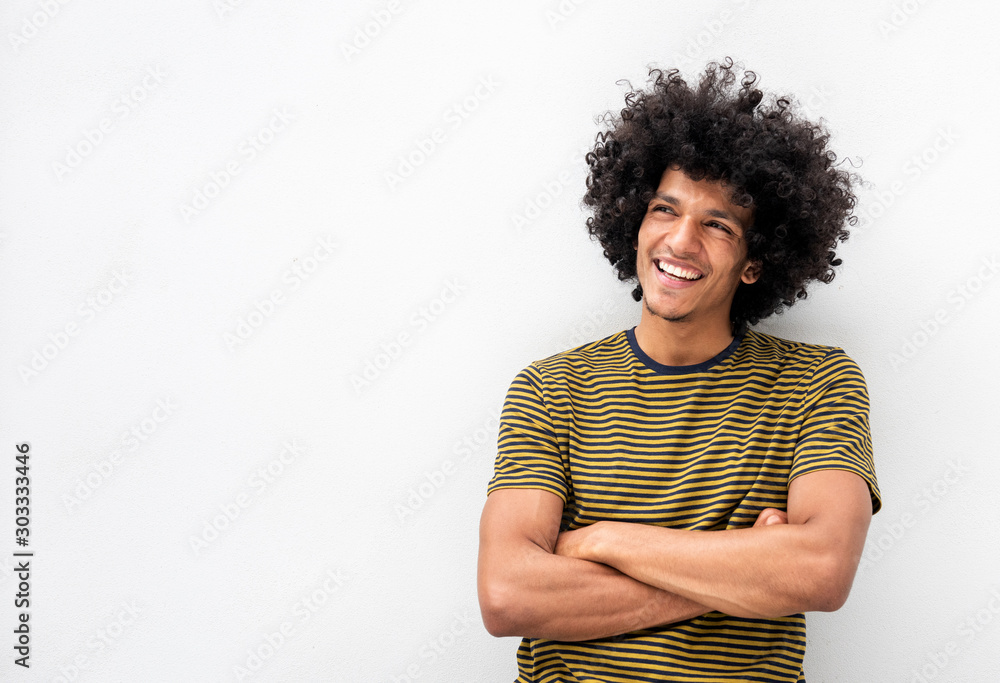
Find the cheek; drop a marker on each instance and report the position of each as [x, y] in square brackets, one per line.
[648, 234]
[639, 237]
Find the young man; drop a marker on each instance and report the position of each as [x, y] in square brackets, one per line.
[669, 500]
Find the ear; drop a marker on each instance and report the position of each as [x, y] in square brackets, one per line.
[751, 273]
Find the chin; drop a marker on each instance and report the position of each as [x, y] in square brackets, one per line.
[667, 314]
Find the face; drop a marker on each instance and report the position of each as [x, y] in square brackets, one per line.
[691, 251]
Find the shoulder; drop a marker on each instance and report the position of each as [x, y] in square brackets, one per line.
[816, 366]
[596, 359]
[601, 355]
[758, 347]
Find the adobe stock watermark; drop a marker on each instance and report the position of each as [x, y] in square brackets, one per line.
[104, 638]
[585, 330]
[934, 662]
[912, 171]
[269, 644]
[291, 279]
[535, 205]
[86, 312]
[811, 105]
[434, 480]
[957, 298]
[256, 484]
[693, 52]
[367, 31]
[247, 152]
[120, 109]
[454, 116]
[7, 568]
[900, 15]
[32, 24]
[131, 441]
[924, 502]
[389, 352]
[223, 8]
[562, 12]
[434, 648]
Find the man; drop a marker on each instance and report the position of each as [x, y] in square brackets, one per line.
[667, 502]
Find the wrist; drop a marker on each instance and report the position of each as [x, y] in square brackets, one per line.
[596, 546]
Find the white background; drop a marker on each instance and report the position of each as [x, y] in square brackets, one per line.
[173, 558]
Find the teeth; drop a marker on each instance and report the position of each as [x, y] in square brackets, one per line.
[678, 272]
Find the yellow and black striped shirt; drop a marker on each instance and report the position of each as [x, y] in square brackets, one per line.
[621, 437]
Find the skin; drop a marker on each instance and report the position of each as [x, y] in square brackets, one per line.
[804, 562]
[527, 590]
[615, 577]
[692, 225]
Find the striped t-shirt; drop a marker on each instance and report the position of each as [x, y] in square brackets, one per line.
[621, 437]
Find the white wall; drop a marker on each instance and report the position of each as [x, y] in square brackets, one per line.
[113, 517]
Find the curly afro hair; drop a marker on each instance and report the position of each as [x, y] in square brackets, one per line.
[767, 156]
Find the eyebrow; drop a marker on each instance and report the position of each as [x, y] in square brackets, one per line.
[670, 199]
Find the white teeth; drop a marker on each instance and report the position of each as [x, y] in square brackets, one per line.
[678, 272]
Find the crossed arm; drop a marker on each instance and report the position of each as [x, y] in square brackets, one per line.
[614, 577]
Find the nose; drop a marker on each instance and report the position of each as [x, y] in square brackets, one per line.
[684, 237]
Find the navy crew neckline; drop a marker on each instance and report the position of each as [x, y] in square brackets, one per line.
[662, 369]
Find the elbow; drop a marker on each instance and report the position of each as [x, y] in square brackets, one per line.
[496, 624]
[495, 617]
[823, 584]
[498, 609]
[833, 584]
[833, 597]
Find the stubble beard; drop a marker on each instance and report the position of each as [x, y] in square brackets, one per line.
[683, 317]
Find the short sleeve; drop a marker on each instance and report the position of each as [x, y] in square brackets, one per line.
[528, 453]
[835, 434]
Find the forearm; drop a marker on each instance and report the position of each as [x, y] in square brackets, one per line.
[762, 572]
[805, 562]
[541, 595]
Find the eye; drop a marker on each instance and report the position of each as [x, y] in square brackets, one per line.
[720, 226]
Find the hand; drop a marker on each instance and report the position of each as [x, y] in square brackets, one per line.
[769, 516]
[574, 543]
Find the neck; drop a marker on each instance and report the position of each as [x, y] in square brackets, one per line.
[681, 342]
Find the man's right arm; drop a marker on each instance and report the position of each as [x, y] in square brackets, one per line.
[525, 590]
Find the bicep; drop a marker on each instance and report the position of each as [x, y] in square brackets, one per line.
[837, 504]
[520, 516]
[518, 527]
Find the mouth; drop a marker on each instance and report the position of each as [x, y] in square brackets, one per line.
[676, 273]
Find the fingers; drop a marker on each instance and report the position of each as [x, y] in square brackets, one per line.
[769, 516]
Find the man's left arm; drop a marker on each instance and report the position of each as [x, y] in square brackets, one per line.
[767, 571]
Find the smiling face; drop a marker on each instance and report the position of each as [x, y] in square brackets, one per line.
[691, 252]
